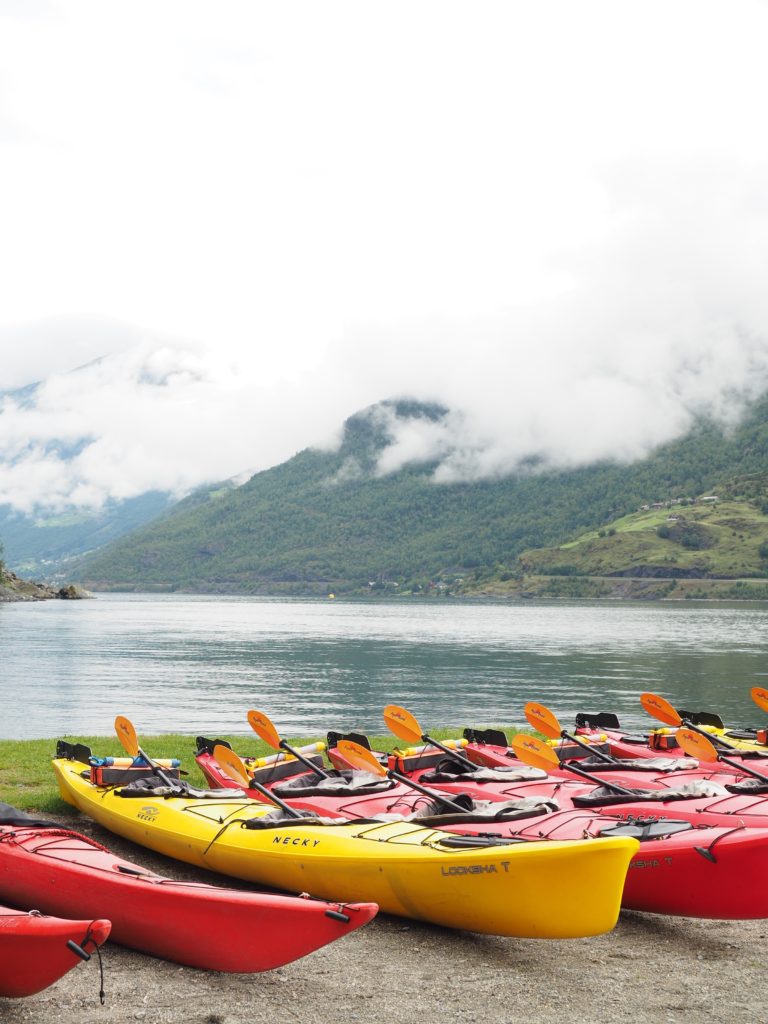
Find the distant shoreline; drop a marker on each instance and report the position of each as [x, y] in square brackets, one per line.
[554, 588]
[14, 588]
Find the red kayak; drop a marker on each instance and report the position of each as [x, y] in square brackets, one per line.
[694, 871]
[705, 871]
[44, 865]
[718, 801]
[605, 727]
[35, 950]
[730, 800]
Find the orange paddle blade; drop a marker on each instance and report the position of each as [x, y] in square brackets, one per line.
[696, 745]
[541, 718]
[534, 752]
[231, 765]
[402, 723]
[264, 728]
[659, 708]
[760, 697]
[359, 757]
[126, 733]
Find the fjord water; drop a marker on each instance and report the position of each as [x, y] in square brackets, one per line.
[197, 663]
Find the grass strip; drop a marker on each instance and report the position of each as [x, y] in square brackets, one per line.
[27, 781]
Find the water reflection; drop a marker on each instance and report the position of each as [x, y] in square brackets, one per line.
[197, 663]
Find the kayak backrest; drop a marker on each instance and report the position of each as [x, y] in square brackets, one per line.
[701, 718]
[492, 737]
[360, 738]
[597, 720]
[205, 746]
[73, 751]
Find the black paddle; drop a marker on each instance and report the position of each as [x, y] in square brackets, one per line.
[541, 718]
[534, 752]
[404, 725]
[661, 709]
[265, 729]
[703, 748]
[234, 767]
[366, 761]
[129, 741]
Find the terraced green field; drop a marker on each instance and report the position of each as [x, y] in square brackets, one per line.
[726, 540]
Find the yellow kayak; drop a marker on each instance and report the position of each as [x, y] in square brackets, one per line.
[551, 890]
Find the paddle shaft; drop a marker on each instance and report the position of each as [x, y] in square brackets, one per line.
[742, 768]
[451, 753]
[586, 775]
[591, 750]
[156, 768]
[304, 760]
[290, 811]
[717, 740]
[397, 777]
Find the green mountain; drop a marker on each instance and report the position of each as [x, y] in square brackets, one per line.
[326, 521]
[42, 543]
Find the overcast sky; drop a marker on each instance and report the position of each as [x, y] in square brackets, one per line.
[260, 218]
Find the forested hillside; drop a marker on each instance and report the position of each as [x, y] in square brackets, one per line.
[324, 521]
[41, 543]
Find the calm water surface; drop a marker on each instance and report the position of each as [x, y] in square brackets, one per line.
[196, 664]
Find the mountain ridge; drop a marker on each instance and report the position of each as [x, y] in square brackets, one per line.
[327, 521]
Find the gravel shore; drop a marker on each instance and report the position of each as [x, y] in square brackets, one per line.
[650, 968]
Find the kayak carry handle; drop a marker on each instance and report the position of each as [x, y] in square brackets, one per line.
[337, 915]
[78, 950]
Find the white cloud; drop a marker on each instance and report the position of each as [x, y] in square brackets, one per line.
[551, 217]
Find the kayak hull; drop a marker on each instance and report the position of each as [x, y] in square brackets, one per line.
[531, 890]
[190, 923]
[704, 872]
[34, 952]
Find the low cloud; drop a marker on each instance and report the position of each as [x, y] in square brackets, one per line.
[662, 318]
[666, 319]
